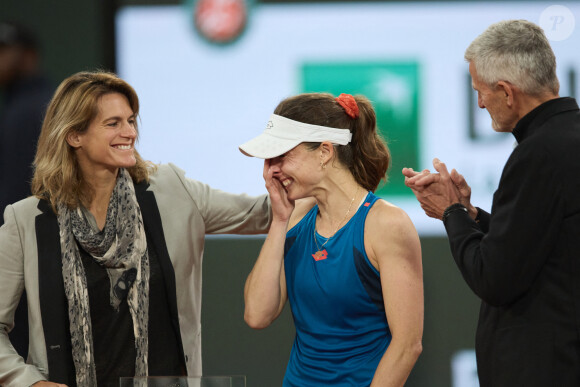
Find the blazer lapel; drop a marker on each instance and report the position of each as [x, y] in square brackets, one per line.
[154, 230]
[53, 303]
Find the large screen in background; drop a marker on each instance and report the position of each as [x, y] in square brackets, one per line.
[201, 99]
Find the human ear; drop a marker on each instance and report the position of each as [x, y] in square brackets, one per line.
[509, 92]
[326, 151]
[74, 139]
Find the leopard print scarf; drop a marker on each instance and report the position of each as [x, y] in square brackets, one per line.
[121, 247]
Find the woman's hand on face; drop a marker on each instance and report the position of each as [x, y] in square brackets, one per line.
[282, 207]
[44, 383]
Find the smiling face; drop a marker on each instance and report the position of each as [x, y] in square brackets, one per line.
[108, 142]
[495, 101]
[298, 170]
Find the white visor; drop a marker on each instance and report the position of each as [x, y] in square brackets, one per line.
[282, 134]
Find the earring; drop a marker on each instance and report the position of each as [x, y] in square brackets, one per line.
[322, 165]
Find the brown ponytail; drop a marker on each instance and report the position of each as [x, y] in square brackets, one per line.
[367, 155]
[370, 155]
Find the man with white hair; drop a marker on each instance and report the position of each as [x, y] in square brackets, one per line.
[523, 259]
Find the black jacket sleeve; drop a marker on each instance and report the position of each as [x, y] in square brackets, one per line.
[501, 256]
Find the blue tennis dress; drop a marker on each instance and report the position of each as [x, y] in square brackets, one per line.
[337, 304]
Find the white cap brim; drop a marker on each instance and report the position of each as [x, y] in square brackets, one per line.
[283, 134]
[268, 146]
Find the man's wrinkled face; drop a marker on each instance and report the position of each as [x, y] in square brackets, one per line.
[495, 101]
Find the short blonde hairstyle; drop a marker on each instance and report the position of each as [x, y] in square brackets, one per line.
[57, 176]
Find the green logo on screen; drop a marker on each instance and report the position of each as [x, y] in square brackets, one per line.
[393, 89]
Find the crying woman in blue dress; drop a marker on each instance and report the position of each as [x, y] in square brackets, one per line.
[348, 262]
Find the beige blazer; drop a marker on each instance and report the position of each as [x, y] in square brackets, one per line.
[177, 212]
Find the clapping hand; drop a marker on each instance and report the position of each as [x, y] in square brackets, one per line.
[437, 191]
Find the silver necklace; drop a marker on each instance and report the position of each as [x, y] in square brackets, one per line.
[323, 254]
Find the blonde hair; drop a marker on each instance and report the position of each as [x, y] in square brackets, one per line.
[57, 176]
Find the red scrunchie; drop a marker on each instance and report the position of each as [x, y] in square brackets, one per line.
[349, 105]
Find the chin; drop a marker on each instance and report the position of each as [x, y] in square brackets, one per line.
[293, 197]
[129, 163]
[290, 195]
[498, 128]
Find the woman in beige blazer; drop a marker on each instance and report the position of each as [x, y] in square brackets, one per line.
[108, 249]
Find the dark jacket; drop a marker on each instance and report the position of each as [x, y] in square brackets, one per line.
[523, 260]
